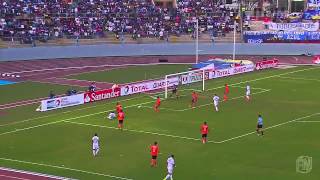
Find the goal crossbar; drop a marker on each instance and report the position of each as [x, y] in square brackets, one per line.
[189, 75]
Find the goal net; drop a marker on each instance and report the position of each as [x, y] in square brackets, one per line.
[187, 78]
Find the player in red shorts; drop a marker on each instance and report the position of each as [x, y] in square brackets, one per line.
[118, 107]
[154, 150]
[157, 104]
[226, 92]
[194, 99]
[120, 119]
[204, 132]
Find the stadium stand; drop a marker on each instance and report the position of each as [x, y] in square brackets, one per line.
[61, 22]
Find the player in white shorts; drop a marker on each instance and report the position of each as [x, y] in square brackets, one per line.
[248, 92]
[95, 144]
[170, 166]
[216, 99]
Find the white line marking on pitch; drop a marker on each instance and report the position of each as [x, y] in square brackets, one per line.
[78, 117]
[65, 112]
[270, 127]
[307, 69]
[308, 121]
[65, 168]
[134, 130]
[203, 105]
[190, 138]
[298, 78]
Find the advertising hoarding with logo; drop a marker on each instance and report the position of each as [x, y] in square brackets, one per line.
[101, 95]
[61, 102]
[148, 86]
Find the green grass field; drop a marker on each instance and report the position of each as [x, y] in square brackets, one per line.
[59, 142]
[30, 90]
[134, 73]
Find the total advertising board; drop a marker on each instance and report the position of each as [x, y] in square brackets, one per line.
[148, 86]
[101, 95]
[62, 102]
[232, 71]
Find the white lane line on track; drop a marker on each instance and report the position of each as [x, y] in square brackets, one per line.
[34, 174]
[64, 168]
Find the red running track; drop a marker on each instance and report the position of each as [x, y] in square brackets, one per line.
[13, 174]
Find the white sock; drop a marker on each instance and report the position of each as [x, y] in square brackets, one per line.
[171, 177]
[94, 153]
[216, 108]
[168, 176]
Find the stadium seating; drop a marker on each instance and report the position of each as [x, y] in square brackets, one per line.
[42, 21]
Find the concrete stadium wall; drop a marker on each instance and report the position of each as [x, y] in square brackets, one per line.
[56, 52]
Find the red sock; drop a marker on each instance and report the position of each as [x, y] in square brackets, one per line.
[225, 97]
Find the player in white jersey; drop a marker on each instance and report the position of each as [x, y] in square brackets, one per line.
[248, 92]
[216, 99]
[95, 144]
[170, 166]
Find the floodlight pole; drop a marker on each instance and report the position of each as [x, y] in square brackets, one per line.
[197, 41]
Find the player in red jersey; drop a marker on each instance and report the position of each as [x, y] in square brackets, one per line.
[204, 132]
[194, 99]
[120, 119]
[157, 104]
[118, 107]
[226, 92]
[154, 150]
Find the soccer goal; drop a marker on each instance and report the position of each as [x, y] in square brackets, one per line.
[186, 78]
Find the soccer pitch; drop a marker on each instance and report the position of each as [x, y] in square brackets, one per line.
[59, 142]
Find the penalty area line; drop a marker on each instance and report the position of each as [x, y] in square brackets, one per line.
[65, 168]
[276, 125]
[77, 117]
[136, 131]
[238, 97]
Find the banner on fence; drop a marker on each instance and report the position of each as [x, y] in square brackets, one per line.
[265, 64]
[312, 26]
[101, 95]
[194, 77]
[62, 102]
[233, 71]
[148, 86]
[280, 36]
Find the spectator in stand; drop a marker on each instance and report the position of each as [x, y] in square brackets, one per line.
[44, 20]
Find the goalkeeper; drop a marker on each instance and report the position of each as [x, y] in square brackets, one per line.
[175, 91]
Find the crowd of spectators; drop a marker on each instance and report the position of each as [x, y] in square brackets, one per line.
[29, 20]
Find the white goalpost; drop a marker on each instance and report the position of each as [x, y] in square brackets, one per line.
[185, 78]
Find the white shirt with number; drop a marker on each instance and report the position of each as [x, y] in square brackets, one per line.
[216, 100]
[248, 90]
[95, 142]
[170, 163]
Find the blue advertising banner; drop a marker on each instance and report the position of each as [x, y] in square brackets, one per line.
[280, 36]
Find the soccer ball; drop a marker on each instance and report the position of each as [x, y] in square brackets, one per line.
[139, 106]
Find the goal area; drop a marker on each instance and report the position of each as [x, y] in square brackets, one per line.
[186, 78]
